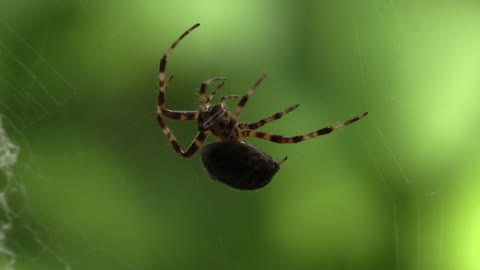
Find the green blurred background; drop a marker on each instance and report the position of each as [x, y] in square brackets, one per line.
[98, 186]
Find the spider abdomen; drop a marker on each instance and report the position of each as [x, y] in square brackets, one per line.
[238, 164]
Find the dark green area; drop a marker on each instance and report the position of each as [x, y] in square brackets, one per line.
[98, 185]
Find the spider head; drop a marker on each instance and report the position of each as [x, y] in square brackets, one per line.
[214, 114]
[217, 119]
[216, 109]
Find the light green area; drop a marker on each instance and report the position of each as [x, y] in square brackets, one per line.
[100, 187]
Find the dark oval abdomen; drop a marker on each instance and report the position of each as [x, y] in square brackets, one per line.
[238, 164]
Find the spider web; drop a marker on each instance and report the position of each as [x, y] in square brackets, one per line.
[420, 200]
[8, 158]
[23, 242]
[27, 241]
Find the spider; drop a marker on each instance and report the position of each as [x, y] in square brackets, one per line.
[229, 160]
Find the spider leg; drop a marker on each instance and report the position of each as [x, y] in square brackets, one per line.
[162, 85]
[202, 101]
[244, 99]
[214, 92]
[225, 97]
[276, 116]
[299, 138]
[197, 142]
[176, 114]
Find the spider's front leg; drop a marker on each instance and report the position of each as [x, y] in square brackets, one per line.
[162, 85]
[202, 101]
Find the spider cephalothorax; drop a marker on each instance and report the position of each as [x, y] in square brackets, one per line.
[229, 160]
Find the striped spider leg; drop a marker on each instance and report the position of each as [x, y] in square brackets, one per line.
[162, 85]
[248, 129]
[182, 115]
[202, 134]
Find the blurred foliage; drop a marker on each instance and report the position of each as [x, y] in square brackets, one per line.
[99, 186]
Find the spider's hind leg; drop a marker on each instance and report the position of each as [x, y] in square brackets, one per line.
[276, 116]
[299, 138]
[244, 99]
